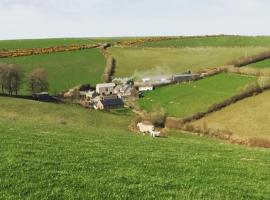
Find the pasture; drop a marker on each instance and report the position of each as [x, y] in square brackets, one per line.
[65, 69]
[60, 152]
[132, 61]
[248, 118]
[261, 65]
[184, 100]
[42, 43]
[213, 41]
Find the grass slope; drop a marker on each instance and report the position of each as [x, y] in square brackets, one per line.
[173, 60]
[42, 43]
[186, 99]
[65, 69]
[99, 159]
[247, 118]
[218, 41]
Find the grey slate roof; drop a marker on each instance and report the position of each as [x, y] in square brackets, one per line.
[112, 102]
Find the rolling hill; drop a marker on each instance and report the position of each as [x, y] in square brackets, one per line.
[42, 43]
[133, 60]
[65, 69]
[213, 41]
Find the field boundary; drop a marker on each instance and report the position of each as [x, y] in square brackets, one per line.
[216, 107]
[243, 61]
[248, 71]
[110, 64]
[41, 51]
[185, 124]
[141, 41]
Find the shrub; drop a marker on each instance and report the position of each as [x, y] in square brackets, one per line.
[252, 87]
[158, 117]
[264, 82]
[258, 142]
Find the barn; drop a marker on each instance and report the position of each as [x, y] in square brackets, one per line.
[106, 104]
[182, 78]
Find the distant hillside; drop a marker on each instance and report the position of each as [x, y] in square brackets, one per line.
[42, 43]
[132, 60]
[213, 41]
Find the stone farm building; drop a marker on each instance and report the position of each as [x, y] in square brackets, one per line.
[105, 88]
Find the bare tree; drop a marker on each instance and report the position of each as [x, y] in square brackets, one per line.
[2, 71]
[11, 78]
[38, 81]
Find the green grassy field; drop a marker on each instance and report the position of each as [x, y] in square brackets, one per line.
[42, 43]
[247, 118]
[53, 151]
[186, 99]
[219, 41]
[262, 64]
[130, 61]
[65, 69]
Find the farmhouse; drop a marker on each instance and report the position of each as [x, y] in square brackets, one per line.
[105, 88]
[123, 91]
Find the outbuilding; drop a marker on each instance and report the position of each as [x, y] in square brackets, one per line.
[42, 96]
[145, 88]
[182, 78]
[106, 104]
[105, 88]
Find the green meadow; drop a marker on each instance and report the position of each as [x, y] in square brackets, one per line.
[247, 118]
[42, 43]
[132, 60]
[65, 69]
[184, 100]
[213, 41]
[260, 65]
[51, 151]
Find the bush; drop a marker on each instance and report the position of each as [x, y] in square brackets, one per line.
[158, 117]
[252, 87]
[259, 142]
[264, 82]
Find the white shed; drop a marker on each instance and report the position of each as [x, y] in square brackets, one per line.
[145, 88]
[105, 88]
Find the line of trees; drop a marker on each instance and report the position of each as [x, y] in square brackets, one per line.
[12, 79]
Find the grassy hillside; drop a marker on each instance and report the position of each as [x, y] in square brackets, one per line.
[24, 111]
[213, 41]
[97, 158]
[42, 43]
[65, 69]
[186, 99]
[247, 118]
[173, 60]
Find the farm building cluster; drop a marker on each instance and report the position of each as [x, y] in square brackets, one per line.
[105, 95]
[114, 95]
